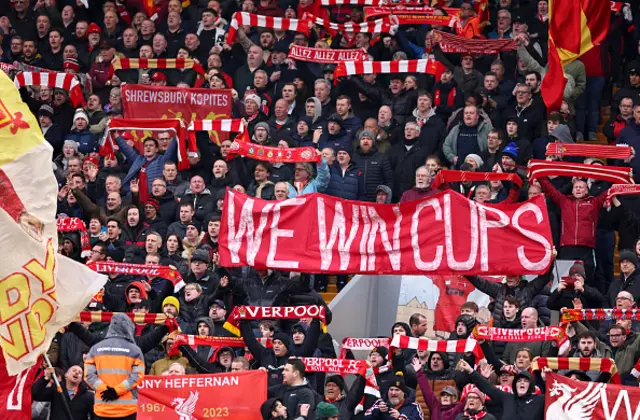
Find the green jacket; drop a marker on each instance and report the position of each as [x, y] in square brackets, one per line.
[625, 356]
[450, 146]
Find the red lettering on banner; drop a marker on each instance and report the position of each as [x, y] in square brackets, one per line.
[443, 234]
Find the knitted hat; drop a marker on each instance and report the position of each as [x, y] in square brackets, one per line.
[263, 125]
[93, 28]
[306, 120]
[201, 255]
[45, 110]
[336, 118]
[80, 114]
[336, 379]
[253, 97]
[629, 255]
[345, 148]
[472, 389]
[284, 338]
[382, 351]
[299, 327]
[171, 300]
[578, 268]
[71, 63]
[398, 382]
[477, 159]
[367, 133]
[324, 410]
[153, 202]
[116, 254]
[510, 150]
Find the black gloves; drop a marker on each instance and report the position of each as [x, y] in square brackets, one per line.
[109, 394]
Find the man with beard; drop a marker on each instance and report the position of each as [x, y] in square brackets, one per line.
[422, 188]
[406, 156]
[398, 403]
[374, 165]
[521, 404]
[218, 314]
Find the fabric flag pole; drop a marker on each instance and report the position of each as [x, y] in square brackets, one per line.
[54, 288]
[64, 81]
[273, 154]
[148, 270]
[578, 363]
[622, 151]
[119, 63]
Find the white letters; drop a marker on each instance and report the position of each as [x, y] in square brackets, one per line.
[245, 228]
[283, 233]
[451, 259]
[415, 243]
[378, 224]
[338, 229]
[526, 263]
[484, 228]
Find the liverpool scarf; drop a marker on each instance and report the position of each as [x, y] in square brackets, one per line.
[614, 174]
[509, 335]
[589, 150]
[636, 369]
[578, 363]
[353, 2]
[377, 26]
[444, 346]
[351, 68]
[451, 43]
[64, 81]
[371, 389]
[444, 176]
[414, 15]
[621, 189]
[141, 128]
[349, 343]
[260, 21]
[101, 316]
[337, 366]
[271, 312]
[148, 270]
[325, 55]
[273, 154]
[74, 224]
[574, 315]
[154, 63]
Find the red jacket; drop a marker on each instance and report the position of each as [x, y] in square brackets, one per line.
[579, 218]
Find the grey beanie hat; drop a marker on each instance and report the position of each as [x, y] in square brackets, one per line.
[367, 133]
[263, 125]
[562, 133]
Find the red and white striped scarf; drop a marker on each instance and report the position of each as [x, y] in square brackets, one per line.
[353, 2]
[600, 314]
[154, 63]
[74, 224]
[621, 189]
[614, 174]
[589, 150]
[150, 270]
[451, 43]
[444, 346]
[351, 68]
[350, 343]
[64, 81]
[376, 26]
[371, 388]
[578, 363]
[447, 175]
[260, 21]
[235, 125]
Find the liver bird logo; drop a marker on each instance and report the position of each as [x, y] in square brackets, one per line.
[568, 406]
[185, 407]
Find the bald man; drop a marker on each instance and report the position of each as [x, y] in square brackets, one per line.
[529, 319]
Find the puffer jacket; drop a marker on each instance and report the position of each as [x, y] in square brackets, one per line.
[154, 167]
[524, 292]
[348, 186]
[117, 353]
[376, 170]
[335, 141]
[579, 218]
[87, 141]
[203, 203]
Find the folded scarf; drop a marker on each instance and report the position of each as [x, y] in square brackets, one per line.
[271, 312]
[64, 81]
[376, 26]
[273, 154]
[508, 335]
[444, 346]
[574, 315]
[119, 63]
[325, 55]
[589, 150]
[459, 44]
[578, 363]
[74, 224]
[147, 270]
[444, 176]
[260, 21]
[349, 343]
[351, 68]
[614, 174]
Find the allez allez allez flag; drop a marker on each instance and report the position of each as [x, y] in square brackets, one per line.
[442, 234]
[40, 291]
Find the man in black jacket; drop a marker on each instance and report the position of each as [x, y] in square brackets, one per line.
[76, 392]
[406, 156]
[294, 391]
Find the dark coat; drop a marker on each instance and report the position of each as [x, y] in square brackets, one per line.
[81, 405]
[404, 164]
[376, 170]
[631, 284]
[527, 407]
[348, 186]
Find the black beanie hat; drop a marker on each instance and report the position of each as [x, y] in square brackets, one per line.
[382, 351]
[336, 379]
[282, 337]
[267, 407]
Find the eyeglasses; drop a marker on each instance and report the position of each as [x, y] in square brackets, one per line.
[97, 251]
[522, 92]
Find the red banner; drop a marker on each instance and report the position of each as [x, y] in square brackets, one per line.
[15, 391]
[325, 55]
[148, 270]
[236, 396]
[350, 343]
[321, 234]
[162, 102]
[567, 399]
[413, 15]
[271, 312]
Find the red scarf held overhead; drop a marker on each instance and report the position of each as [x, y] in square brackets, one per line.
[614, 174]
[273, 154]
[74, 224]
[621, 189]
[337, 366]
[350, 343]
[557, 334]
[578, 363]
[143, 187]
[102, 316]
[450, 43]
[325, 55]
[148, 270]
[589, 150]
[271, 312]
[574, 315]
[440, 346]
[154, 63]
[446, 176]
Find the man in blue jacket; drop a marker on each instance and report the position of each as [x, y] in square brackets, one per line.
[346, 180]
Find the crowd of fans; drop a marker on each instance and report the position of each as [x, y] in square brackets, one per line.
[382, 138]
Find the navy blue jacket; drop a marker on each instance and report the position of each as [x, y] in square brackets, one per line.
[87, 141]
[335, 141]
[631, 135]
[376, 170]
[349, 186]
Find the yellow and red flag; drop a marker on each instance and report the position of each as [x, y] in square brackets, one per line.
[575, 26]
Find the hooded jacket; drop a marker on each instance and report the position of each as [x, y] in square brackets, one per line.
[117, 353]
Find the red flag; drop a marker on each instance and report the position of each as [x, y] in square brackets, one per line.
[554, 81]
[15, 391]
